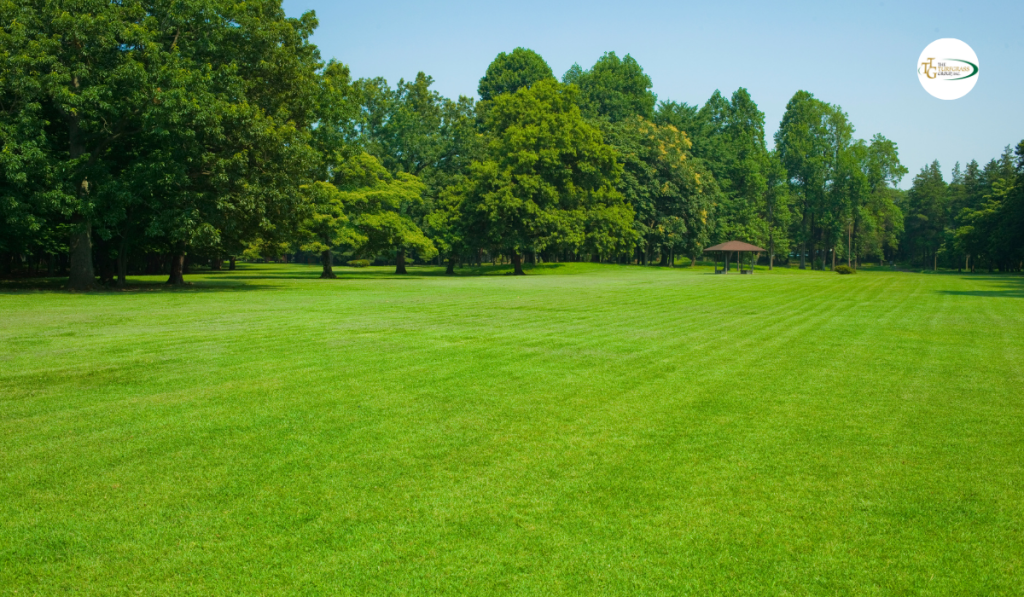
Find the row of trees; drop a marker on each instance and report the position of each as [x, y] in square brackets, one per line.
[144, 136]
[974, 220]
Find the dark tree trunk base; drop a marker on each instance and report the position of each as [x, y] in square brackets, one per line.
[450, 270]
[82, 276]
[328, 262]
[517, 264]
[400, 263]
[177, 277]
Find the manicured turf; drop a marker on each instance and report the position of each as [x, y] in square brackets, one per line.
[600, 430]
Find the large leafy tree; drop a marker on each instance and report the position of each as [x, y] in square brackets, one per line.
[381, 208]
[804, 147]
[31, 193]
[613, 89]
[182, 122]
[83, 80]
[548, 179]
[672, 194]
[510, 72]
[325, 225]
[876, 220]
[414, 130]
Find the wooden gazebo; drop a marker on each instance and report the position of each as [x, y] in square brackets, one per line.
[734, 246]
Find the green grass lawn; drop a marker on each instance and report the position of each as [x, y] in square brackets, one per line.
[596, 430]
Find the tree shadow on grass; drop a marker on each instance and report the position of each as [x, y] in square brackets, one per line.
[312, 272]
[59, 285]
[1008, 287]
[246, 278]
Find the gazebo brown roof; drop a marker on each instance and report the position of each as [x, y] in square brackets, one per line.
[734, 246]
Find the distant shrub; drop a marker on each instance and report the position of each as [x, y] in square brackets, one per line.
[845, 269]
[359, 262]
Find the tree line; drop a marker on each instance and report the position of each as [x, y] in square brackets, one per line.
[150, 137]
[976, 220]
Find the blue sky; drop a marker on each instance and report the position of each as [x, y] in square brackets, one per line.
[861, 56]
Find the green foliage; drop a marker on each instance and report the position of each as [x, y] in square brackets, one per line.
[358, 263]
[381, 206]
[927, 214]
[547, 180]
[987, 209]
[671, 194]
[844, 200]
[152, 123]
[212, 127]
[845, 270]
[613, 89]
[511, 72]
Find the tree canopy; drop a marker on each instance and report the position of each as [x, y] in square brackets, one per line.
[613, 88]
[547, 179]
[510, 72]
[153, 138]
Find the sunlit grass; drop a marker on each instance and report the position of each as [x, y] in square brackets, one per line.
[599, 429]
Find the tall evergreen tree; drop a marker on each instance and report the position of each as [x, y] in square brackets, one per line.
[927, 214]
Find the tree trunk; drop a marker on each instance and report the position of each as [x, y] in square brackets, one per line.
[833, 268]
[450, 270]
[517, 264]
[849, 246]
[122, 267]
[217, 263]
[400, 262]
[81, 276]
[327, 260]
[231, 263]
[803, 239]
[935, 261]
[177, 266]
[693, 258]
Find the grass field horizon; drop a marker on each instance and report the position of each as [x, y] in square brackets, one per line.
[584, 429]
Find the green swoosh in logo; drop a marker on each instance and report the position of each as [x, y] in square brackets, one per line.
[974, 72]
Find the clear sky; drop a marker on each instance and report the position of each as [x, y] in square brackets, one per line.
[860, 55]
